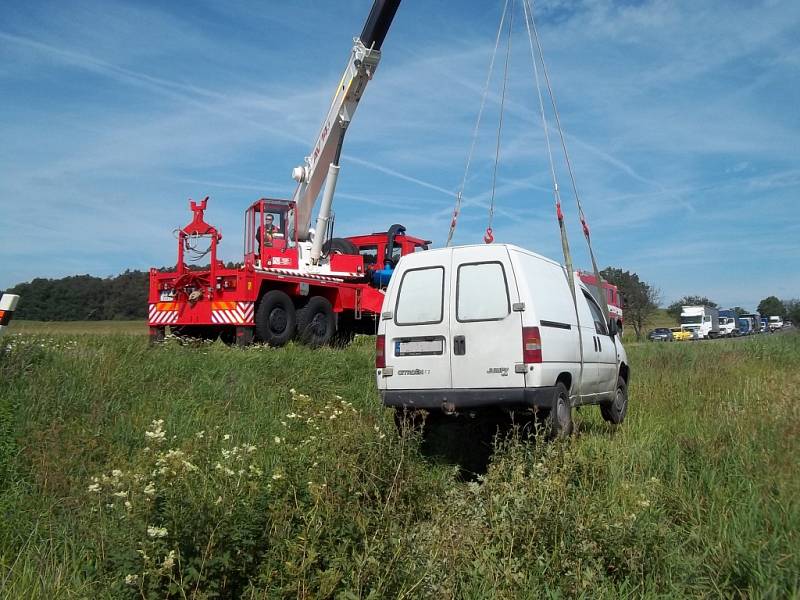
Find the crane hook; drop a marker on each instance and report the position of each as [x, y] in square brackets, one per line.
[488, 238]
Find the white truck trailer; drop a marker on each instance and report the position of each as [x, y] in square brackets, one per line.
[8, 303]
[703, 321]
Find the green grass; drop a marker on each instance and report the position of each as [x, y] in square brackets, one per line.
[78, 327]
[314, 494]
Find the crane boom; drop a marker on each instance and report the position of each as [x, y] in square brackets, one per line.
[323, 161]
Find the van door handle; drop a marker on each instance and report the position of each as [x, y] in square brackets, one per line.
[459, 345]
[599, 344]
[594, 339]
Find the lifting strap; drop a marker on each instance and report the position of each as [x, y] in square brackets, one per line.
[602, 300]
[556, 193]
[459, 196]
[489, 237]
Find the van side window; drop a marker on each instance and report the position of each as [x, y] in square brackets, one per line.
[420, 300]
[482, 292]
[597, 314]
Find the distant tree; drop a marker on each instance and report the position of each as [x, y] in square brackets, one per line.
[640, 298]
[83, 297]
[739, 311]
[771, 306]
[792, 310]
[674, 309]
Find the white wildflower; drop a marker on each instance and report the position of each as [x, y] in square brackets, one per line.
[169, 560]
[219, 500]
[189, 466]
[226, 437]
[156, 532]
[122, 494]
[128, 505]
[277, 440]
[150, 489]
[95, 488]
[116, 473]
[249, 448]
[277, 476]
[200, 435]
[293, 391]
[131, 579]
[644, 503]
[337, 396]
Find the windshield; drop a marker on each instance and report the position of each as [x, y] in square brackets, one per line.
[691, 320]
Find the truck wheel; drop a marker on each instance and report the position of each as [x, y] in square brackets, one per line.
[275, 318]
[558, 421]
[316, 323]
[614, 411]
[339, 246]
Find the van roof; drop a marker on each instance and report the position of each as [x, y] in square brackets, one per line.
[510, 247]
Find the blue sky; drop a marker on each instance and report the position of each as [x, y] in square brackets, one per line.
[681, 118]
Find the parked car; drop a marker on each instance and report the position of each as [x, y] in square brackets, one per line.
[681, 335]
[494, 326]
[660, 334]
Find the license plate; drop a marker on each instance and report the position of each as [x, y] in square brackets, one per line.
[167, 296]
[419, 346]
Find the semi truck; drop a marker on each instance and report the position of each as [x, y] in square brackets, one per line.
[728, 323]
[702, 320]
[8, 304]
[754, 322]
[775, 323]
[294, 280]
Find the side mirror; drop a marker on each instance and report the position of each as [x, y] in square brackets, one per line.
[612, 327]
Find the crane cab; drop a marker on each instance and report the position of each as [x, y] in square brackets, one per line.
[267, 242]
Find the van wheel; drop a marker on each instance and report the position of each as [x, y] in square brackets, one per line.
[558, 421]
[275, 318]
[614, 411]
[316, 323]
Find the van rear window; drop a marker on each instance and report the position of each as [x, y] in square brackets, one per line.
[420, 300]
[482, 293]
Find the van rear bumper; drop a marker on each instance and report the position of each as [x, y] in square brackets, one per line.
[450, 400]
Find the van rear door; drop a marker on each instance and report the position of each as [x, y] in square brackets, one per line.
[416, 340]
[485, 330]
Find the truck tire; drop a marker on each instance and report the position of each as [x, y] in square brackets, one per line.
[558, 420]
[276, 319]
[339, 246]
[615, 411]
[316, 323]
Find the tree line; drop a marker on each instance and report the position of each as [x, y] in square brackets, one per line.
[124, 297]
[84, 298]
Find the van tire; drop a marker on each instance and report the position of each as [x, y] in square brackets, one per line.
[615, 411]
[316, 323]
[276, 320]
[558, 421]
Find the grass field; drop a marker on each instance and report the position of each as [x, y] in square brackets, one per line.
[207, 471]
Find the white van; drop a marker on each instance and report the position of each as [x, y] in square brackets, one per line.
[483, 326]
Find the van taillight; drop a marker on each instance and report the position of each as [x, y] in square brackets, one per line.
[380, 352]
[531, 345]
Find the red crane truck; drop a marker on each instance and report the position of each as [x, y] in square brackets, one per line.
[294, 281]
